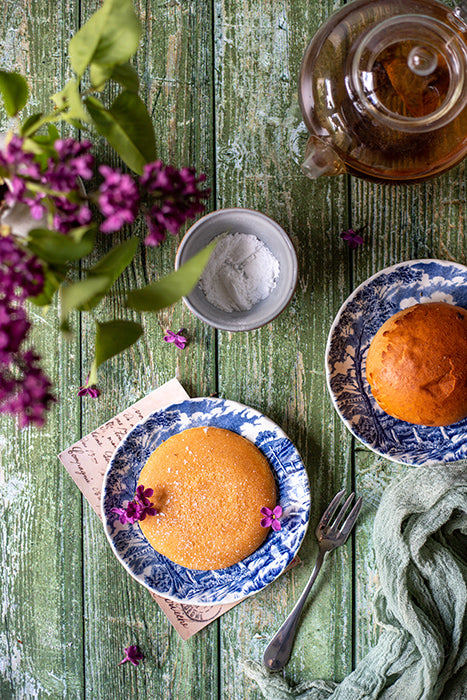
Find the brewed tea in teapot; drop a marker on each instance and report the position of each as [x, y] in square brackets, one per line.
[383, 91]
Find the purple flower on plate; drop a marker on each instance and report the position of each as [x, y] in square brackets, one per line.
[130, 514]
[118, 199]
[271, 517]
[133, 654]
[353, 238]
[142, 495]
[137, 509]
[176, 338]
[146, 507]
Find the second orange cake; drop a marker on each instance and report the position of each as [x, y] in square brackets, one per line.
[209, 487]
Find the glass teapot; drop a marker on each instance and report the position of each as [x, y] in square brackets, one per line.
[383, 91]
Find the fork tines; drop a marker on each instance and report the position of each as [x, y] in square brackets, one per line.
[331, 510]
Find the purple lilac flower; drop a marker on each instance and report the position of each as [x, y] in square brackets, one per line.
[174, 196]
[14, 327]
[142, 495]
[24, 388]
[137, 509]
[62, 174]
[130, 514]
[74, 161]
[132, 654]
[176, 338]
[271, 518]
[118, 199]
[142, 499]
[28, 395]
[12, 155]
[69, 214]
[21, 274]
[89, 390]
[352, 237]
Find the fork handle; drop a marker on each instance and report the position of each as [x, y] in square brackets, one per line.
[277, 652]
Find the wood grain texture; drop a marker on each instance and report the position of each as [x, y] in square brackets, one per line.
[174, 61]
[403, 223]
[41, 633]
[221, 82]
[259, 142]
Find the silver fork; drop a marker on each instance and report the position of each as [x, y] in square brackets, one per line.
[330, 534]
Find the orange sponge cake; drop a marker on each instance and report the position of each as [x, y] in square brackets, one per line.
[417, 364]
[209, 487]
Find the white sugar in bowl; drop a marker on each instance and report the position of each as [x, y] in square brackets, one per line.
[251, 275]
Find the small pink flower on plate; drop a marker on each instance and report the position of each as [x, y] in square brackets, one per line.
[271, 518]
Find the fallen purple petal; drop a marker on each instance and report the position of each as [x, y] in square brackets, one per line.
[89, 390]
[352, 238]
[133, 654]
[176, 338]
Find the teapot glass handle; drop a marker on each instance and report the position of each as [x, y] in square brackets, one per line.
[321, 159]
[460, 11]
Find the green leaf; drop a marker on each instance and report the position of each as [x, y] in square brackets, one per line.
[81, 294]
[87, 293]
[99, 74]
[111, 339]
[53, 279]
[111, 267]
[78, 233]
[69, 99]
[53, 133]
[126, 76]
[169, 289]
[123, 74]
[110, 37]
[128, 128]
[14, 89]
[27, 127]
[116, 260]
[54, 247]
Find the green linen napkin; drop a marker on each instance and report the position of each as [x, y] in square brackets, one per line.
[420, 541]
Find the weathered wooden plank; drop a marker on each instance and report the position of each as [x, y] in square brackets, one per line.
[175, 62]
[403, 223]
[41, 645]
[260, 140]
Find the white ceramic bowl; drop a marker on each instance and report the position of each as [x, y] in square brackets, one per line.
[272, 235]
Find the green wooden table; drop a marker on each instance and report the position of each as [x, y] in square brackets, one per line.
[221, 81]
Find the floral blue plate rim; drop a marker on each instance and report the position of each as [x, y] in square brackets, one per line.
[364, 311]
[172, 581]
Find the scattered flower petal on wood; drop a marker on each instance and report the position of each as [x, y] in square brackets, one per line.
[352, 238]
[133, 654]
[176, 338]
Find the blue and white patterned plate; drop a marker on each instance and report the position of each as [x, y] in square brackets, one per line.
[220, 586]
[367, 308]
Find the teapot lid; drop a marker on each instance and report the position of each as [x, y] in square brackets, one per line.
[409, 72]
